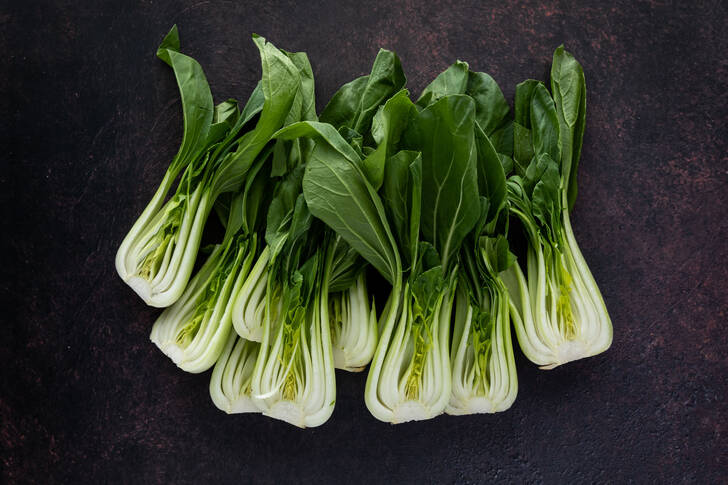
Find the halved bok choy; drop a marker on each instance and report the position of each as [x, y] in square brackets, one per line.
[157, 256]
[195, 329]
[557, 308]
[293, 379]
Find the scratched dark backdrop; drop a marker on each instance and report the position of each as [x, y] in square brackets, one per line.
[89, 120]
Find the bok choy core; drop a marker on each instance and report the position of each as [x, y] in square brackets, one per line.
[460, 204]
[230, 385]
[352, 315]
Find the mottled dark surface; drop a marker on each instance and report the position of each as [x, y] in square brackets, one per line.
[90, 119]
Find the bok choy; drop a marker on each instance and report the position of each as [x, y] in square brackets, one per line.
[484, 376]
[558, 311]
[293, 379]
[230, 384]
[194, 331]
[156, 258]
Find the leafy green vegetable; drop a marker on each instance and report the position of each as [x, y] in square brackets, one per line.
[353, 324]
[484, 376]
[157, 256]
[355, 104]
[338, 193]
[197, 109]
[138, 270]
[249, 301]
[284, 303]
[387, 127]
[491, 107]
[415, 324]
[402, 195]
[195, 329]
[569, 92]
[444, 133]
[558, 312]
[293, 379]
[484, 370]
[423, 192]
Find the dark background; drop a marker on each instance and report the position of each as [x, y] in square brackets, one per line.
[89, 120]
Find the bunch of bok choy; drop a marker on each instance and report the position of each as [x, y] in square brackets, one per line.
[457, 204]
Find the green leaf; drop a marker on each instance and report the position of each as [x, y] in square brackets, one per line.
[227, 111]
[522, 105]
[216, 133]
[522, 147]
[170, 42]
[480, 225]
[301, 221]
[443, 132]
[497, 253]
[391, 119]
[543, 182]
[491, 107]
[354, 139]
[342, 108]
[225, 119]
[427, 258]
[306, 97]
[502, 139]
[453, 80]
[280, 83]
[320, 131]
[281, 210]
[401, 193]
[491, 177]
[426, 290]
[279, 164]
[387, 127]
[346, 266]
[544, 124]
[569, 91]
[338, 193]
[290, 153]
[222, 207]
[355, 104]
[507, 163]
[197, 104]
[386, 78]
[254, 104]
[236, 216]
[256, 195]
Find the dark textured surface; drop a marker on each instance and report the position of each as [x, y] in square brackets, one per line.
[90, 119]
